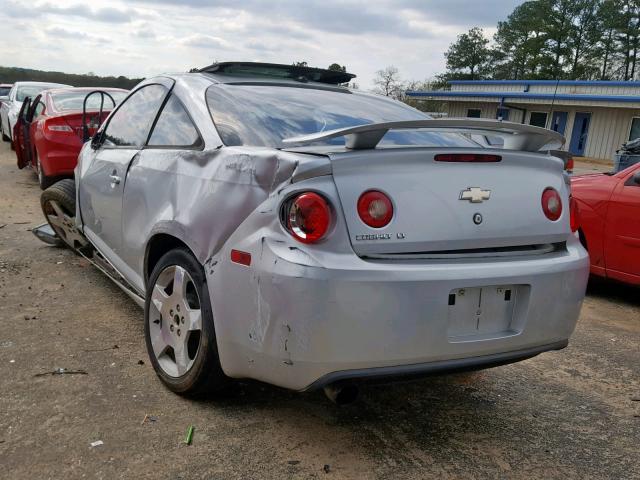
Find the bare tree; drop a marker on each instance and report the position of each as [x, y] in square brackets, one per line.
[387, 82]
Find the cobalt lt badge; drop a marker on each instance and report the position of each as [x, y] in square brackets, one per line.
[477, 218]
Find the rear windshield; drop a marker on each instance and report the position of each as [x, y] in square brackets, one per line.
[30, 91]
[74, 100]
[260, 115]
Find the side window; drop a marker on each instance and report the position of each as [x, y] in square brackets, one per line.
[38, 110]
[131, 123]
[174, 127]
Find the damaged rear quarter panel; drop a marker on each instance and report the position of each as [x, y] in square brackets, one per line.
[199, 197]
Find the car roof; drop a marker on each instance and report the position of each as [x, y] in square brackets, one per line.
[83, 89]
[6, 85]
[257, 73]
[226, 79]
[37, 84]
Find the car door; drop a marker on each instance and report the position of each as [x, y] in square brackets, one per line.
[173, 134]
[115, 146]
[622, 237]
[20, 133]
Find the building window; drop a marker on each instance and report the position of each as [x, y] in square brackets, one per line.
[473, 113]
[635, 128]
[538, 119]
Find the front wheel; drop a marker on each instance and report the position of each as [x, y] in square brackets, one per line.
[58, 204]
[179, 330]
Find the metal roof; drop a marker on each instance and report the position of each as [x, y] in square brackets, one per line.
[528, 95]
[587, 83]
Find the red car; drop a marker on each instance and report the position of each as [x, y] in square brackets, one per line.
[50, 132]
[608, 220]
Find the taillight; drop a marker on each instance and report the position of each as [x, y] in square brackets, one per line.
[308, 217]
[375, 209]
[574, 213]
[551, 204]
[467, 158]
[57, 125]
[569, 166]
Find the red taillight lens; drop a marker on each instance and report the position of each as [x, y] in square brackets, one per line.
[551, 204]
[569, 167]
[574, 214]
[467, 157]
[375, 209]
[308, 217]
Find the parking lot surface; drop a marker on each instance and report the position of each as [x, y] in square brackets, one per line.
[568, 414]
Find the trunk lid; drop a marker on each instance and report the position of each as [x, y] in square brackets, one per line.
[429, 214]
[93, 120]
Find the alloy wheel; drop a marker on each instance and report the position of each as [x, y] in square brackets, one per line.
[175, 321]
[63, 223]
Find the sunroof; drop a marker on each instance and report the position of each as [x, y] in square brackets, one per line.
[275, 70]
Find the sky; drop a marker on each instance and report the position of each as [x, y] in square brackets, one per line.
[140, 38]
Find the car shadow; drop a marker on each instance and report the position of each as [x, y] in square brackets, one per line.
[613, 291]
[505, 413]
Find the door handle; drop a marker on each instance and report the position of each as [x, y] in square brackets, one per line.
[115, 180]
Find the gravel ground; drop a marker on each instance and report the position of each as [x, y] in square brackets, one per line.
[568, 414]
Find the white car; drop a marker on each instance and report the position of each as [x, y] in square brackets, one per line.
[10, 108]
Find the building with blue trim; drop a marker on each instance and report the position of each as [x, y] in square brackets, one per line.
[596, 117]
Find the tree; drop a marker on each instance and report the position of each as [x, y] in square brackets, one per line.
[518, 42]
[582, 43]
[628, 35]
[606, 49]
[300, 64]
[388, 82]
[469, 55]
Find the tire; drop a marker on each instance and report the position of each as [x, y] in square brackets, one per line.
[44, 180]
[5, 138]
[199, 372]
[63, 193]
[10, 136]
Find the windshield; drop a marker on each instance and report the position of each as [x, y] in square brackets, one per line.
[30, 91]
[74, 100]
[260, 115]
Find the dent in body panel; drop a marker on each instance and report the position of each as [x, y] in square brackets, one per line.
[199, 197]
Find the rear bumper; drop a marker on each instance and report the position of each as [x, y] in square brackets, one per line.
[59, 158]
[299, 326]
[435, 368]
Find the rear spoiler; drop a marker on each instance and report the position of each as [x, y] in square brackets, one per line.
[516, 136]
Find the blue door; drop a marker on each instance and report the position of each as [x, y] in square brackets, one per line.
[559, 122]
[579, 134]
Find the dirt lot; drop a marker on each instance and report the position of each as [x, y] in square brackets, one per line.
[567, 414]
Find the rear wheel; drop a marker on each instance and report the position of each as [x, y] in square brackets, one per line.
[44, 180]
[5, 137]
[179, 330]
[59, 207]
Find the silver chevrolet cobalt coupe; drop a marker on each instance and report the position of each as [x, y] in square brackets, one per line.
[278, 226]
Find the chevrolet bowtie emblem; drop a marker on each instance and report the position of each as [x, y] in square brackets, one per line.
[475, 194]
